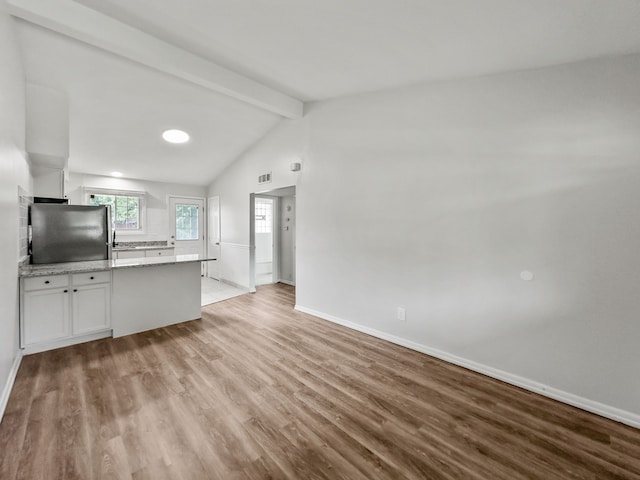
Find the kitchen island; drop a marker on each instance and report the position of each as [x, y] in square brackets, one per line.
[67, 303]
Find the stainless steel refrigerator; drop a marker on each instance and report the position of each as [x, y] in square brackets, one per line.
[69, 233]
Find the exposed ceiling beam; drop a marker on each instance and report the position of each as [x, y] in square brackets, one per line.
[89, 26]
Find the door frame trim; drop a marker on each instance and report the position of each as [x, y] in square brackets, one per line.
[208, 240]
[276, 237]
[275, 240]
[252, 243]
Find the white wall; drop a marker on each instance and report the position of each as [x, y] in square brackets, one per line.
[436, 197]
[47, 182]
[14, 172]
[157, 220]
[47, 125]
[273, 154]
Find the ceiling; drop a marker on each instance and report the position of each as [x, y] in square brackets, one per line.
[119, 109]
[306, 49]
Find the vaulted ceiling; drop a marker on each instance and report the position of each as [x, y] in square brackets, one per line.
[228, 71]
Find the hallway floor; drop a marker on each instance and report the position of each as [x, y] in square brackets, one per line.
[215, 291]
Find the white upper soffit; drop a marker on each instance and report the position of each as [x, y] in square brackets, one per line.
[318, 49]
[72, 19]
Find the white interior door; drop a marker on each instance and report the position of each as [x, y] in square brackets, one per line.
[213, 238]
[186, 225]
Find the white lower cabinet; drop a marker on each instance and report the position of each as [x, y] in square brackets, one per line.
[91, 308]
[59, 310]
[45, 315]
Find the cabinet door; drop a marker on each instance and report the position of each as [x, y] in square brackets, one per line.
[45, 315]
[91, 308]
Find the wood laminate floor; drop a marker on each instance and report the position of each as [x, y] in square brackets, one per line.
[255, 390]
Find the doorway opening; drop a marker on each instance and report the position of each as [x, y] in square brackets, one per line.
[213, 289]
[264, 239]
[272, 237]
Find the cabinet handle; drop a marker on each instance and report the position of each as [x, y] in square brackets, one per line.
[90, 278]
[46, 282]
[66, 291]
[75, 289]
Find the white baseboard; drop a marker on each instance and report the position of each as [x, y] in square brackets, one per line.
[43, 347]
[6, 391]
[234, 284]
[607, 411]
[287, 282]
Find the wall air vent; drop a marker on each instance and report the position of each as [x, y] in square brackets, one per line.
[265, 178]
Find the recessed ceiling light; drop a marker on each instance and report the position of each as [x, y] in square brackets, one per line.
[175, 136]
[116, 174]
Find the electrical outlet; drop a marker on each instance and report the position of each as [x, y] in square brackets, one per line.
[401, 314]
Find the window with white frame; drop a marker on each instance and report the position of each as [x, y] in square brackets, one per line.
[127, 207]
[264, 215]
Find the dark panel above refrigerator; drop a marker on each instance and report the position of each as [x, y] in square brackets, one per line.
[50, 200]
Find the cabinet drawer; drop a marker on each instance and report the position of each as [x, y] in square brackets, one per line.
[129, 254]
[161, 252]
[90, 277]
[48, 281]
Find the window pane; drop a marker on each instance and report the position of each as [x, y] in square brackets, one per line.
[187, 222]
[125, 210]
[133, 207]
[264, 215]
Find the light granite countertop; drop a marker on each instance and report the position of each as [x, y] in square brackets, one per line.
[102, 265]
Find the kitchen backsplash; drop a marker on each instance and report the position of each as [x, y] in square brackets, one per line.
[142, 244]
[24, 200]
